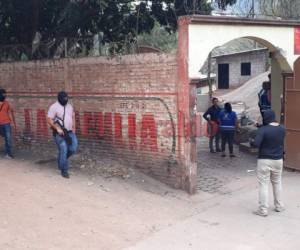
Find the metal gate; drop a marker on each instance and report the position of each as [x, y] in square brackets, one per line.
[292, 117]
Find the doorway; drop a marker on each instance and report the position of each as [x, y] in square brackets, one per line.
[223, 76]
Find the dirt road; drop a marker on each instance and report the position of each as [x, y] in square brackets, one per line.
[41, 210]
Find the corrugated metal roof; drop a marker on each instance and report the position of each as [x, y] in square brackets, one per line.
[237, 46]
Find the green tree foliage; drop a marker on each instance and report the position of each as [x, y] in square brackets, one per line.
[115, 20]
[159, 38]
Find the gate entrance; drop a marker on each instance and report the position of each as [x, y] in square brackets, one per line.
[198, 36]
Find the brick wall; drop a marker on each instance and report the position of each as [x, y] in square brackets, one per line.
[126, 107]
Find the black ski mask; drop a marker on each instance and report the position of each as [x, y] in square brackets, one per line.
[268, 117]
[62, 98]
[2, 95]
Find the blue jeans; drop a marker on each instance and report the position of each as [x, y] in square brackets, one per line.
[65, 150]
[5, 131]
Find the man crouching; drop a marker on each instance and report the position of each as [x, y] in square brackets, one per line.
[61, 118]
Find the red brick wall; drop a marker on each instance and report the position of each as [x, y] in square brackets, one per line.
[126, 107]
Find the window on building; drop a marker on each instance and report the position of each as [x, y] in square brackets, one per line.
[246, 69]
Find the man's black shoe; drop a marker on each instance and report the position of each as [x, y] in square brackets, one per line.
[65, 174]
[212, 151]
[219, 150]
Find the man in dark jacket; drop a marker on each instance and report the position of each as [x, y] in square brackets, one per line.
[212, 117]
[264, 97]
[270, 142]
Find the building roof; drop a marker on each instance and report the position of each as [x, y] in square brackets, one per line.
[241, 45]
[234, 47]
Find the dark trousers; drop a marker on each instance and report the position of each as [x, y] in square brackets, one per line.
[215, 138]
[227, 137]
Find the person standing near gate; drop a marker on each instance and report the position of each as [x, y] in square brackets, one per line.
[264, 97]
[270, 142]
[228, 125]
[61, 118]
[211, 116]
[6, 118]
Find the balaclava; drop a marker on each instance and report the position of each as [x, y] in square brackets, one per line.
[268, 116]
[2, 95]
[62, 98]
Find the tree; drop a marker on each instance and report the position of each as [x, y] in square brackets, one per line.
[286, 9]
[31, 21]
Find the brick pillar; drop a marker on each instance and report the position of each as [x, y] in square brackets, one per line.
[186, 104]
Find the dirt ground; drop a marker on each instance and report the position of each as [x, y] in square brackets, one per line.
[42, 210]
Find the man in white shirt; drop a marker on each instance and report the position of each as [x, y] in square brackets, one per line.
[61, 118]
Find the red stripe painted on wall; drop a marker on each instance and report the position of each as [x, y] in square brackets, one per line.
[297, 40]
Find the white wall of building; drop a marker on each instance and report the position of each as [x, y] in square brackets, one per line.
[204, 37]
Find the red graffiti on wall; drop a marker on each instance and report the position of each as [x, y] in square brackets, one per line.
[108, 130]
[41, 123]
[118, 129]
[27, 119]
[99, 124]
[109, 126]
[148, 133]
[89, 124]
[132, 131]
[105, 126]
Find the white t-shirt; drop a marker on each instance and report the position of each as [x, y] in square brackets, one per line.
[56, 111]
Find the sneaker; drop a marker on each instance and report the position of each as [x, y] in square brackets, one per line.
[65, 174]
[7, 156]
[279, 209]
[232, 155]
[260, 213]
[212, 151]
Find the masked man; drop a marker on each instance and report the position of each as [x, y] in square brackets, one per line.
[270, 142]
[61, 118]
[6, 118]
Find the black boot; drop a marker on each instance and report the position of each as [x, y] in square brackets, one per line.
[65, 174]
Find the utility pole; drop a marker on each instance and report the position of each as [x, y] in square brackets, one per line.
[208, 76]
[252, 10]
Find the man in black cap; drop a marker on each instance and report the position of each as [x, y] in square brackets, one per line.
[61, 118]
[270, 142]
